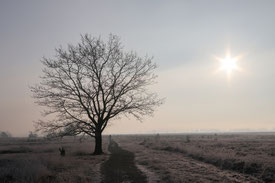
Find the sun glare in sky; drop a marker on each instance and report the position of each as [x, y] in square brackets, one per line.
[229, 64]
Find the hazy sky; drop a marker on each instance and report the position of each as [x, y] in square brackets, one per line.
[183, 36]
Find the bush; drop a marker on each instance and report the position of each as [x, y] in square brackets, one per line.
[32, 135]
[5, 135]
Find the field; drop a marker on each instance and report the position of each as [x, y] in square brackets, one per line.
[243, 157]
[22, 160]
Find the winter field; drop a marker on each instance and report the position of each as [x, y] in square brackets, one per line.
[238, 157]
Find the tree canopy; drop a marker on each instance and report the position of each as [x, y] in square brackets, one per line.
[90, 83]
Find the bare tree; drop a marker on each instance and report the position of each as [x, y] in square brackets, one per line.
[5, 134]
[88, 84]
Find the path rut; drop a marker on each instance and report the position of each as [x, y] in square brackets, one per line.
[120, 167]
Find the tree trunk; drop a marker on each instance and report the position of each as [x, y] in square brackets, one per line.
[98, 143]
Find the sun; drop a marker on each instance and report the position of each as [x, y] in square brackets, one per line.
[229, 64]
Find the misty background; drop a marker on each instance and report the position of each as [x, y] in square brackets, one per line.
[183, 36]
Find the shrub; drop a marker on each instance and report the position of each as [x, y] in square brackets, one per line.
[5, 135]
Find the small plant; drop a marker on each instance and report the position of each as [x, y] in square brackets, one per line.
[62, 151]
[32, 136]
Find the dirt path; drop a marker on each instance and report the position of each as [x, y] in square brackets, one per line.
[120, 167]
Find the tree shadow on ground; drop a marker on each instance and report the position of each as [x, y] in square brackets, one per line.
[120, 167]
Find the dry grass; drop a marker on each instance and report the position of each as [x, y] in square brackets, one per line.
[250, 154]
[173, 166]
[166, 158]
[39, 161]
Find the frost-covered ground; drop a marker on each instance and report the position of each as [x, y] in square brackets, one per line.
[39, 160]
[247, 157]
[243, 157]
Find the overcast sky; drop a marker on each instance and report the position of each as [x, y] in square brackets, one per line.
[183, 36]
